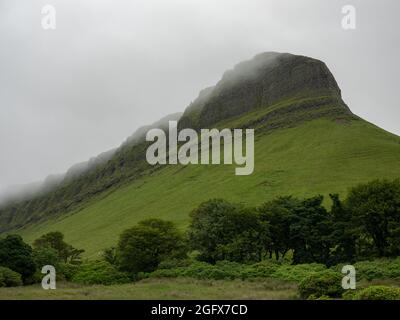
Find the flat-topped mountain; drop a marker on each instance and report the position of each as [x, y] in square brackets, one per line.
[307, 142]
[262, 82]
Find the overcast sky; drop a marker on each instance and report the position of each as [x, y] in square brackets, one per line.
[113, 65]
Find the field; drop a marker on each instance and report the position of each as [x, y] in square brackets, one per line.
[159, 289]
[317, 157]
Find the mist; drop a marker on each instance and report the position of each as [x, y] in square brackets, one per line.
[109, 67]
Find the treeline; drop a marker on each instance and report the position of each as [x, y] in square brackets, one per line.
[364, 226]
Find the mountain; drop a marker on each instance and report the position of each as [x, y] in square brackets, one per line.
[307, 142]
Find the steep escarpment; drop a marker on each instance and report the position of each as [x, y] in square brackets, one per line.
[304, 133]
[264, 81]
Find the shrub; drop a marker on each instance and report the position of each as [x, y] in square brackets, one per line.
[68, 270]
[9, 278]
[174, 263]
[378, 293]
[378, 269]
[326, 283]
[297, 272]
[234, 270]
[99, 272]
[262, 269]
[349, 295]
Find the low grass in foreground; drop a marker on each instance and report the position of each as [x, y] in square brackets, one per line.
[153, 289]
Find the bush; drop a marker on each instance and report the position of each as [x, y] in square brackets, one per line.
[298, 272]
[378, 269]
[99, 272]
[326, 283]
[68, 270]
[9, 278]
[174, 263]
[233, 270]
[378, 293]
[264, 269]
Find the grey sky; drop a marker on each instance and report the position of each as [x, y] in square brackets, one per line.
[111, 66]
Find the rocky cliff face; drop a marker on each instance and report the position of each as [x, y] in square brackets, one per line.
[265, 80]
[283, 89]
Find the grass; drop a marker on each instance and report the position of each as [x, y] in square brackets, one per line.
[316, 157]
[159, 289]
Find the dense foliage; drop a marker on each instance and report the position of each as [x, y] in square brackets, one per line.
[296, 240]
[223, 231]
[317, 285]
[365, 226]
[143, 247]
[99, 272]
[9, 278]
[16, 255]
[55, 240]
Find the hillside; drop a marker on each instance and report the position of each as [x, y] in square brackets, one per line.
[307, 142]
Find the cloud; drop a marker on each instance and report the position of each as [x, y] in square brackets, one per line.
[112, 66]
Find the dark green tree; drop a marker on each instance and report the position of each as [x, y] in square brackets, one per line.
[375, 210]
[343, 238]
[143, 247]
[16, 255]
[55, 240]
[278, 214]
[310, 232]
[220, 230]
[45, 256]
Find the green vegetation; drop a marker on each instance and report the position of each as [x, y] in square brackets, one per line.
[282, 226]
[220, 230]
[99, 272]
[322, 284]
[375, 293]
[162, 289]
[55, 241]
[143, 247]
[9, 278]
[320, 156]
[16, 255]
[286, 239]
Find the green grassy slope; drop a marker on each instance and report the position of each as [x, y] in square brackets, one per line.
[316, 156]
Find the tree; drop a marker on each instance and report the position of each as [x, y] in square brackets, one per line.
[278, 214]
[55, 240]
[46, 256]
[220, 230]
[16, 255]
[310, 232]
[342, 237]
[143, 247]
[375, 210]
